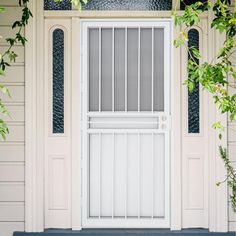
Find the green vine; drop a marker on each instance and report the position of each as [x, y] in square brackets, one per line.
[213, 76]
[10, 56]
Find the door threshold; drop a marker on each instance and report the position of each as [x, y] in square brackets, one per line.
[124, 232]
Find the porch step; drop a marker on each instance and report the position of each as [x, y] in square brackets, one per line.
[131, 232]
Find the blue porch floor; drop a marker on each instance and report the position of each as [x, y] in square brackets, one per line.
[123, 232]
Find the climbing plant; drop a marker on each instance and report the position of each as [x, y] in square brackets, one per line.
[9, 56]
[213, 75]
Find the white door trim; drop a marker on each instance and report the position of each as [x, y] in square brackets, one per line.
[34, 195]
[34, 111]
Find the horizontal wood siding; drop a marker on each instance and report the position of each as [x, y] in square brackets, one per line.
[232, 145]
[12, 171]
[6, 228]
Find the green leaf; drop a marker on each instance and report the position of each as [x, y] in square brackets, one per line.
[2, 9]
[178, 42]
[217, 125]
[196, 53]
[2, 72]
[5, 90]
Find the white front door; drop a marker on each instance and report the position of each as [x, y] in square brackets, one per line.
[126, 131]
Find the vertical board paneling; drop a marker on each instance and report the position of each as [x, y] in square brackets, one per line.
[120, 163]
[106, 175]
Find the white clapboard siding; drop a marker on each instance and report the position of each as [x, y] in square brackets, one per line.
[232, 215]
[7, 228]
[12, 152]
[11, 191]
[19, 50]
[17, 113]
[16, 133]
[17, 94]
[9, 3]
[232, 151]
[232, 145]
[232, 132]
[10, 15]
[12, 211]
[6, 32]
[11, 172]
[232, 155]
[14, 74]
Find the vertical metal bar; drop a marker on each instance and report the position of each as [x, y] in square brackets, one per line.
[113, 69]
[100, 67]
[126, 173]
[139, 63]
[139, 177]
[113, 172]
[126, 71]
[152, 69]
[99, 173]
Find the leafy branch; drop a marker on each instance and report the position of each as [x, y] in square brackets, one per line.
[10, 56]
[213, 76]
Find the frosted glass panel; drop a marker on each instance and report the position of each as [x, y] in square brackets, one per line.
[132, 70]
[146, 69]
[58, 81]
[119, 69]
[106, 79]
[158, 69]
[93, 69]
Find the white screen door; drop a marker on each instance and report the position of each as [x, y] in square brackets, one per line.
[126, 115]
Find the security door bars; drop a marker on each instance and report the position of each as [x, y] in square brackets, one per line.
[126, 114]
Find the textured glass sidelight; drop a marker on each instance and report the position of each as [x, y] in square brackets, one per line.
[58, 81]
[51, 5]
[128, 5]
[193, 97]
[184, 3]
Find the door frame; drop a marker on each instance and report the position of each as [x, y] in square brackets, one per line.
[166, 24]
[34, 88]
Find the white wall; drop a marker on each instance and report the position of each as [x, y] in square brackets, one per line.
[12, 150]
